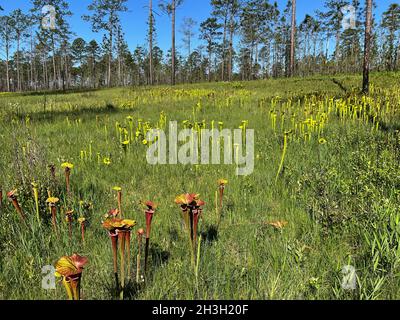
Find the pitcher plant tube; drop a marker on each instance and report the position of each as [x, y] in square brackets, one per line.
[35, 190]
[52, 202]
[119, 231]
[68, 218]
[70, 270]
[12, 196]
[197, 212]
[119, 199]
[82, 223]
[284, 151]
[112, 232]
[140, 234]
[149, 212]
[191, 207]
[67, 171]
[52, 172]
[221, 187]
[186, 201]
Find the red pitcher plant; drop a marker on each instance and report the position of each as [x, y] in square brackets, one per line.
[221, 187]
[119, 231]
[67, 171]
[12, 196]
[149, 212]
[52, 202]
[70, 270]
[191, 207]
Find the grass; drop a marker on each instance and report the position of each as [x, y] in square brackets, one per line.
[341, 198]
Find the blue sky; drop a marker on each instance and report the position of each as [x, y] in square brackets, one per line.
[134, 21]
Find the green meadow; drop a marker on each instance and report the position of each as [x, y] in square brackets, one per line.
[324, 194]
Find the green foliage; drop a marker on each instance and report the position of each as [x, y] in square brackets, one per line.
[338, 191]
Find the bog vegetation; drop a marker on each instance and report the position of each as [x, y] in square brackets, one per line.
[77, 193]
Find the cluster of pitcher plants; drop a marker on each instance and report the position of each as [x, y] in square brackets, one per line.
[119, 230]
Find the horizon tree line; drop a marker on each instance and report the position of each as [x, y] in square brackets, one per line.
[241, 40]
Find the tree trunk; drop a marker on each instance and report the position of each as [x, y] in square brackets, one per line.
[173, 44]
[8, 64]
[94, 72]
[110, 60]
[255, 76]
[189, 77]
[110, 50]
[392, 49]
[45, 72]
[67, 71]
[59, 66]
[223, 50]
[18, 69]
[62, 70]
[231, 31]
[119, 68]
[314, 59]
[292, 39]
[268, 61]
[32, 64]
[337, 48]
[367, 46]
[54, 61]
[209, 63]
[251, 75]
[151, 42]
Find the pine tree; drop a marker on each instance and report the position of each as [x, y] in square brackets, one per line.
[391, 24]
[20, 23]
[106, 17]
[51, 37]
[6, 35]
[151, 24]
[367, 46]
[222, 10]
[333, 20]
[93, 53]
[253, 17]
[169, 7]
[188, 34]
[79, 53]
[209, 31]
